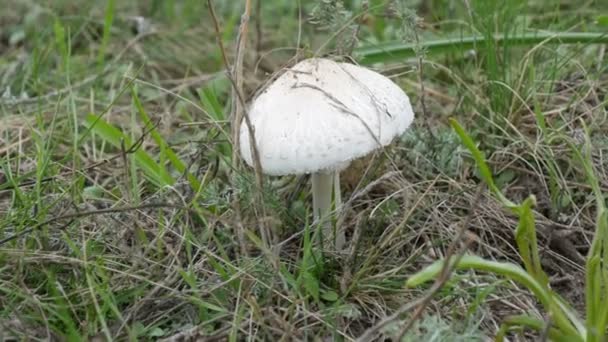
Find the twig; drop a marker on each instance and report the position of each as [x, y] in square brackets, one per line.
[239, 113]
[239, 229]
[299, 39]
[77, 215]
[258, 29]
[125, 165]
[448, 267]
[425, 116]
[355, 37]
[238, 103]
[6, 187]
[132, 149]
[352, 253]
[218, 35]
[238, 108]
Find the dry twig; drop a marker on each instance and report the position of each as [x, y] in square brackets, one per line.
[239, 113]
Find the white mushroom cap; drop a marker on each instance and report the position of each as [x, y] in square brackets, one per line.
[321, 114]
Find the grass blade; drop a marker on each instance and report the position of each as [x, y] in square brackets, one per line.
[534, 324]
[107, 26]
[482, 166]
[113, 135]
[508, 270]
[396, 51]
[165, 148]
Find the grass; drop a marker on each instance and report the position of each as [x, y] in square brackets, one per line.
[117, 181]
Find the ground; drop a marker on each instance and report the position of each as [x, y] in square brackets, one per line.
[124, 216]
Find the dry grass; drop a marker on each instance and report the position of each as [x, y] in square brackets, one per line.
[125, 258]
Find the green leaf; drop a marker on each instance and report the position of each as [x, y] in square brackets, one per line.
[330, 296]
[107, 27]
[596, 277]
[60, 41]
[538, 115]
[16, 37]
[311, 284]
[534, 324]
[156, 332]
[510, 270]
[527, 243]
[113, 135]
[211, 103]
[93, 192]
[207, 305]
[480, 160]
[166, 150]
[602, 20]
[189, 278]
[288, 277]
[505, 178]
[62, 308]
[505, 269]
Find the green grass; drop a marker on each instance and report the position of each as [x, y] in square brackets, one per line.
[116, 177]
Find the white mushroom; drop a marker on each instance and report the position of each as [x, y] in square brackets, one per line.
[317, 117]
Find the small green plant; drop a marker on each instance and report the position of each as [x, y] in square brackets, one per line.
[156, 172]
[435, 329]
[565, 324]
[333, 16]
[444, 156]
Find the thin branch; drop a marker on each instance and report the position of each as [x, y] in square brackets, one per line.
[125, 165]
[258, 29]
[237, 90]
[355, 37]
[238, 103]
[218, 35]
[299, 39]
[239, 112]
[420, 55]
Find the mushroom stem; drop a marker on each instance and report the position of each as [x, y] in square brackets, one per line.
[337, 192]
[321, 201]
[323, 184]
[340, 237]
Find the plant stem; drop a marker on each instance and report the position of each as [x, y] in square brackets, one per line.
[394, 51]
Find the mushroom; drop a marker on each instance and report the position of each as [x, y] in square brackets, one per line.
[316, 118]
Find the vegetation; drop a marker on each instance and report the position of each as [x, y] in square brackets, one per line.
[124, 214]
